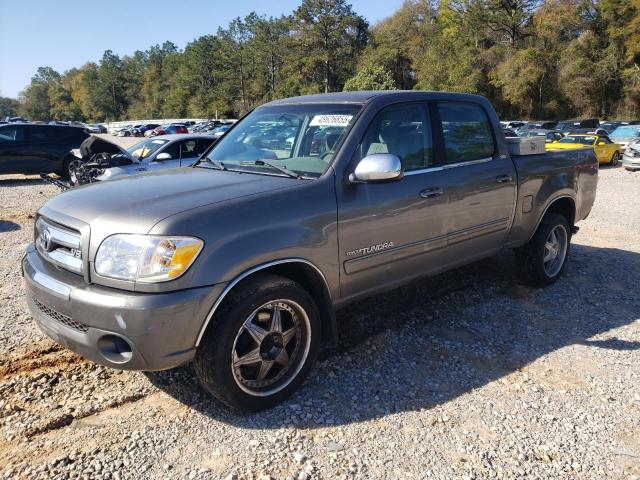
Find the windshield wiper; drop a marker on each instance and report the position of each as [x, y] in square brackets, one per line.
[285, 170]
[218, 164]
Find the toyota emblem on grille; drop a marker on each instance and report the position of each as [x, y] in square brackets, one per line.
[46, 240]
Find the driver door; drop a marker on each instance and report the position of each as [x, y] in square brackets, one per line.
[392, 232]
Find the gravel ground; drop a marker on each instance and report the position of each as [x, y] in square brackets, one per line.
[465, 375]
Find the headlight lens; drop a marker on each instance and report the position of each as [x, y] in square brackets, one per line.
[146, 258]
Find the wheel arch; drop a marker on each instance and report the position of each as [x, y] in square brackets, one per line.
[299, 270]
[564, 205]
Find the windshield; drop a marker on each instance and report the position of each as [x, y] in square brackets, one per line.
[300, 138]
[146, 148]
[584, 140]
[626, 132]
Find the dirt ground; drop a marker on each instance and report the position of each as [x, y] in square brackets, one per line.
[464, 375]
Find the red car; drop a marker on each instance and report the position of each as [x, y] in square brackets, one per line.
[166, 129]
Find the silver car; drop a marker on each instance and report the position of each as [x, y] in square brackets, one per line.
[159, 153]
[631, 157]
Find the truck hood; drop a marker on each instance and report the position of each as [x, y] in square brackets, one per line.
[134, 204]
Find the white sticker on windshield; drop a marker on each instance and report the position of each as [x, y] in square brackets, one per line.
[160, 142]
[330, 120]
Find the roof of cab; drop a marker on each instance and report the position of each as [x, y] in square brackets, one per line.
[362, 97]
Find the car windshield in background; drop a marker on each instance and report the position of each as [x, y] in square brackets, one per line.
[626, 132]
[299, 138]
[146, 148]
[567, 125]
[584, 140]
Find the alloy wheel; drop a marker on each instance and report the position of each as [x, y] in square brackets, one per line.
[555, 250]
[271, 347]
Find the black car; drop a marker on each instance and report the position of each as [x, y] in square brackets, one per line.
[573, 125]
[35, 148]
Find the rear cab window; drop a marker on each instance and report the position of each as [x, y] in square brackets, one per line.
[466, 132]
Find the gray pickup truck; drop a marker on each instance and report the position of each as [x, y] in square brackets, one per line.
[240, 262]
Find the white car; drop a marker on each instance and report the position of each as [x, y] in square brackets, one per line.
[101, 160]
[631, 156]
[159, 153]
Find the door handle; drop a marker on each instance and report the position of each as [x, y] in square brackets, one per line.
[504, 178]
[431, 192]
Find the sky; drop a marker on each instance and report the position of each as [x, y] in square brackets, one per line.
[68, 33]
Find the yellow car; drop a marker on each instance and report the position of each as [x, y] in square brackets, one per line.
[605, 149]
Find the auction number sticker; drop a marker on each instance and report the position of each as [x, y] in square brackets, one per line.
[330, 120]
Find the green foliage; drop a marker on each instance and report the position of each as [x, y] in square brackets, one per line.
[531, 58]
[8, 107]
[371, 78]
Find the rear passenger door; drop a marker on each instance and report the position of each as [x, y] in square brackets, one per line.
[43, 148]
[480, 183]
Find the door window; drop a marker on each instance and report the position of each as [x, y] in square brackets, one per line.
[466, 131]
[188, 148]
[42, 134]
[11, 134]
[403, 130]
[203, 144]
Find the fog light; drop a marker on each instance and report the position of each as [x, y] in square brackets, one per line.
[115, 349]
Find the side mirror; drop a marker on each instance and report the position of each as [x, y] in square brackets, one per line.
[379, 167]
[163, 156]
[601, 143]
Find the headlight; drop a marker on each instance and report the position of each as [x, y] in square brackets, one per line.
[146, 258]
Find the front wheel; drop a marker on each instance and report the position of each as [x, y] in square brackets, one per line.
[541, 261]
[260, 344]
[70, 169]
[615, 159]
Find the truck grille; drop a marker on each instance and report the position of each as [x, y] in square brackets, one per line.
[59, 245]
[59, 317]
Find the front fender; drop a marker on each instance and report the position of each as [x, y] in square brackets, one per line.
[240, 234]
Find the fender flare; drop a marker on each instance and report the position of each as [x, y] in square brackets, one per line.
[249, 272]
[546, 208]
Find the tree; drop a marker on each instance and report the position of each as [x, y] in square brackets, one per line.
[371, 78]
[8, 107]
[330, 38]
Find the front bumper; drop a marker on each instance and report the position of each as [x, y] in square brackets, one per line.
[120, 329]
[630, 162]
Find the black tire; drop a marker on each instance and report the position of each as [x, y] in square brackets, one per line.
[213, 360]
[530, 263]
[615, 159]
[67, 166]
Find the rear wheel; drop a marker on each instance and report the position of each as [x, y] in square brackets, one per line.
[260, 345]
[542, 260]
[615, 159]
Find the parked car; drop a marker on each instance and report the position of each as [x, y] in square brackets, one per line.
[625, 134]
[570, 125]
[96, 128]
[151, 155]
[513, 124]
[217, 132]
[168, 129]
[606, 151]
[140, 130]
[240, 262]
[550, 135]
[550, 125]
[34, 148]
[631, 157]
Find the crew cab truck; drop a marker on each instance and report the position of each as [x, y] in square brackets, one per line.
[239, 262]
